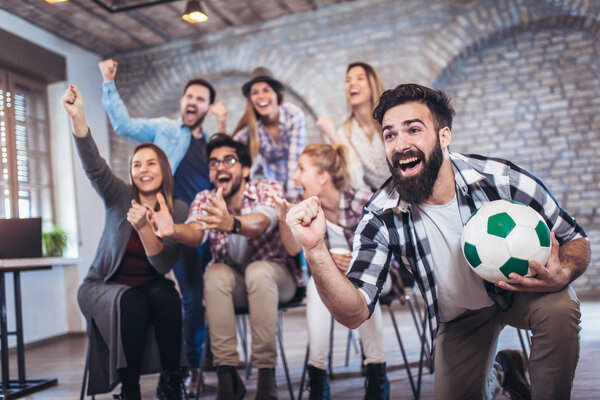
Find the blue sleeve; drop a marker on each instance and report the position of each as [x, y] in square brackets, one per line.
[136, 129]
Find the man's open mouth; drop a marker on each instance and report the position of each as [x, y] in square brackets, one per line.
[408, 165]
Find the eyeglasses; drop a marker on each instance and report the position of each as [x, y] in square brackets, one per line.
[227, 161]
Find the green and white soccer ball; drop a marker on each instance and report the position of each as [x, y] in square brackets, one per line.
[502, 237]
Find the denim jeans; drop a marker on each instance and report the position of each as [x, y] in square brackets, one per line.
[189, 271]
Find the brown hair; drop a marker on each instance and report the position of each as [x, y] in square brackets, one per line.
[375, 84]
[333, 160]
[167, 185]
[250, 118]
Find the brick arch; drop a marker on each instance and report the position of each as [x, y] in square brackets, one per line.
[478, 23]
[591, 25]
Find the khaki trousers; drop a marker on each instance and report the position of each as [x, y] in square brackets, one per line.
[262, 287]
[466, 346]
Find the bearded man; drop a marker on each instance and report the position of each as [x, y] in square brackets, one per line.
[417, 216]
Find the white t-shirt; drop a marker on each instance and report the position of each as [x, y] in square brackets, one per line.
[335, 235]
[459, 288]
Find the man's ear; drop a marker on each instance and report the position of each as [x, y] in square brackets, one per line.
[245, 172]
[445, 136]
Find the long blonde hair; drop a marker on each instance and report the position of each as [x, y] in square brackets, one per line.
[333, 160]
[375, 83]
[249, 119]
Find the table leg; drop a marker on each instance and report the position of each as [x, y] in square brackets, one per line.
[19, 324]
[4, 336]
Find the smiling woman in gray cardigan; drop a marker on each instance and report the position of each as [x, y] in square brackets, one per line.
[125, 293]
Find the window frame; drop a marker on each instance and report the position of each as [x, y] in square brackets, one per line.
[9, 80]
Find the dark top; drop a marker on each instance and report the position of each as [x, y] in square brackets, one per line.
[135, 268]
[191, 176]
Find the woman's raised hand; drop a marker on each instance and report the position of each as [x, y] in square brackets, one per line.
[72, 102]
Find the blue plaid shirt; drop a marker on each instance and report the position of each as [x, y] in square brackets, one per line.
[390, 226]
[279, 159]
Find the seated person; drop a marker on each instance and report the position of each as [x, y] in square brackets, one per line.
[250, 268]
[125, 290]
[323, 172]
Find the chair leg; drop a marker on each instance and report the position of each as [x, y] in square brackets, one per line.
[421, 332]
[526, 347]
[303, 373]
[415, 391]
[85, 374]
[330, 355]
[284, 362]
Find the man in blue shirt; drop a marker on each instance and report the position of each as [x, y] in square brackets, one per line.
[183, 141]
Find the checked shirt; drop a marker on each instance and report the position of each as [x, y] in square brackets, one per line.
[391, 226]
[265, 247]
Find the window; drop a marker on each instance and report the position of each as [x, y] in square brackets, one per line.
[25, 176]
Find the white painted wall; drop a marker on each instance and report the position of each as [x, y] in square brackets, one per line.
[49, 297]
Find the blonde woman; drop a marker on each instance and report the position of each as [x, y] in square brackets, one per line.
[323, 172]
[360, 132]
[272, 129]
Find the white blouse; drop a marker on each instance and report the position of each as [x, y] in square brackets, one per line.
[368, 167]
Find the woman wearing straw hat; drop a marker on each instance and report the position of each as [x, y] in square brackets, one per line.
[273, 130]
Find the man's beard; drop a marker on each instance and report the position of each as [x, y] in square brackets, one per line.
[235, 186]
[196, 123]
[417, 189]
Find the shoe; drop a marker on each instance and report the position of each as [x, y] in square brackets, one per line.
[230, 386]
[128, 396]
[170, 386]
[318, 384]
[133, 393]
[377, 386]
[514, 364]
[265, 388]
[191, 382]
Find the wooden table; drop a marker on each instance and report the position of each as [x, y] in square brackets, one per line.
[15, 388]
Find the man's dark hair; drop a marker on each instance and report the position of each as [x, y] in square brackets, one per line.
[224, 140]
[437, 101]
[202, 82]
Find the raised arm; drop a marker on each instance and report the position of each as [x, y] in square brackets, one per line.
[137, 129]
[344, 301]
[108, 185]
[220, 112]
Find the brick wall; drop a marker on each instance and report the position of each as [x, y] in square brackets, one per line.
[524, 75]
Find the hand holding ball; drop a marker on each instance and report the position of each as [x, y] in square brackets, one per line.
[502, 237]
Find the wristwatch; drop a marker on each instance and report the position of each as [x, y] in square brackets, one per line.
[237, 225]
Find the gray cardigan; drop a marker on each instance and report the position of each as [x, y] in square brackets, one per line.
[98, 298]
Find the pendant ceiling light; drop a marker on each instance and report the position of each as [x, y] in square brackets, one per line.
[194, 12]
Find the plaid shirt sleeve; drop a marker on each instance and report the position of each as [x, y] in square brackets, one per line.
[527, 189]
[370, 257]
[297, 134]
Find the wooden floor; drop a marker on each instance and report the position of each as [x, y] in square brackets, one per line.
[64, 360]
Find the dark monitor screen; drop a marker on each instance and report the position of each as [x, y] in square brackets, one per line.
[20, 238]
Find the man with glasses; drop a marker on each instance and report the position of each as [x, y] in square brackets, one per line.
[249, 269]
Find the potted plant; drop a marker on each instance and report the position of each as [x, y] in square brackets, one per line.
[55, 242]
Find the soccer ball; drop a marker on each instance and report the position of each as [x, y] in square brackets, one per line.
[502, 237]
